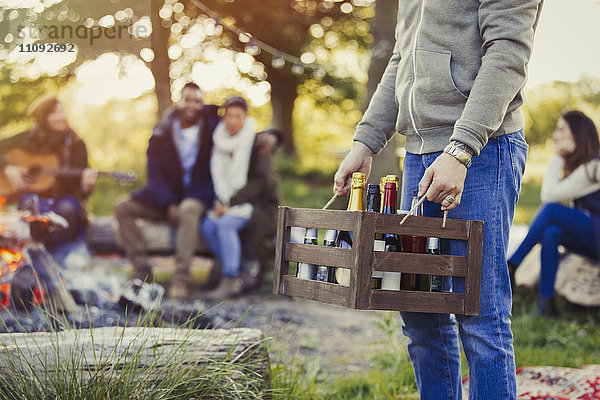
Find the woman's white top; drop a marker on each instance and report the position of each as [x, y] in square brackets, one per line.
[574, 186]
[229, 164]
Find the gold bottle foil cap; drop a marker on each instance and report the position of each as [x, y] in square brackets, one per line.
[358, 180]
[394, 179]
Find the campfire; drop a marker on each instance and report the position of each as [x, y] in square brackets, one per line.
[11, 261]
[31, 280]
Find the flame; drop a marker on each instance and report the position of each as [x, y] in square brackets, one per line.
[39, 295]
[11, 257]
[5, 294]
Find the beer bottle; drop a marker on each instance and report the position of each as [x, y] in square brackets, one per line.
[373, 204]
[342, 275]
[324, 272]
[390, 280]
[305, 270]
[437, 281]
[413, 244]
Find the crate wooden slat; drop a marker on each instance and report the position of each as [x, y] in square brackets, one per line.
[362, 261]
[324, 292]
[419, 263]
[336, 257]
[417, 301]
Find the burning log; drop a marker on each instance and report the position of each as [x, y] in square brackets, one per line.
[30, 275]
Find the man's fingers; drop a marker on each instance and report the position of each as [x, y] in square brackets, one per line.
[342, 181]
[341, 186]
[448, 205]
[425, 182]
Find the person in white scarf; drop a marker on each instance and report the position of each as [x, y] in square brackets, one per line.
[233, 142]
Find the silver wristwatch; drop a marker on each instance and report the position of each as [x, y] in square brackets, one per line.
[462, 156]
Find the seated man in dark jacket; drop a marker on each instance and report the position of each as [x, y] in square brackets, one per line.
[179, 185]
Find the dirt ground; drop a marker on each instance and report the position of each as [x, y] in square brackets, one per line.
[330, 338]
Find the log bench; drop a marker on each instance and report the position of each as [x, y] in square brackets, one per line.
[102, 236]
[83, 353]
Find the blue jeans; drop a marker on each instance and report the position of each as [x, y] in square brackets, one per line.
[490, 194]
[223, 239]
[553, 225]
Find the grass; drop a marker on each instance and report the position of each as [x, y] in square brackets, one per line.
[572, 340]
[47, 367]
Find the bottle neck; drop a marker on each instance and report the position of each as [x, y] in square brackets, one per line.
[356, 199]
[373, 202]
[389, 200]
[433, 243]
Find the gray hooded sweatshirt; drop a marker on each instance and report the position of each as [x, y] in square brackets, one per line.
[456, 73]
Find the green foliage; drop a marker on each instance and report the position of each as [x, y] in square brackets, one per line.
[17, 96]
[546, 103]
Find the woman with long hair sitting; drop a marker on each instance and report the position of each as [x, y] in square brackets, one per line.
[572, 176]
[50, 138]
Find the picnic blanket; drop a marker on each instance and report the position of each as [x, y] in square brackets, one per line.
[555, 383]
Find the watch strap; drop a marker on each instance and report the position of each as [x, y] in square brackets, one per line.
[462, 156]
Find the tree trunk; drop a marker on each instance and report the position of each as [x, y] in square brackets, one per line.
[160, 64]
[283, 95]
[382, 28]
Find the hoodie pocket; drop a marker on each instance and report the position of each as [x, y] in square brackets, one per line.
[436, 102]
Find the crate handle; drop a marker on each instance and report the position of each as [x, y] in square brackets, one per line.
[330, 202]
[416, 206]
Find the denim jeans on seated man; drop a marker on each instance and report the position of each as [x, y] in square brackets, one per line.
[490, 194]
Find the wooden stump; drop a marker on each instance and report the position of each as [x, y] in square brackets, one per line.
[81, 354]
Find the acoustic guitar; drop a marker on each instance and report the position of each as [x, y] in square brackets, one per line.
[44, 169]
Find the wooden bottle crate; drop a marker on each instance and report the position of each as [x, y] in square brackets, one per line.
[362, 261]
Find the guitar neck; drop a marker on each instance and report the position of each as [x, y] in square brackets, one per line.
[71, 172]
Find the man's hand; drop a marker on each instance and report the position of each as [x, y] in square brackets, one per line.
[359, 159]
[267, 143]
[173, 214]
[17, 177]
[445, 177]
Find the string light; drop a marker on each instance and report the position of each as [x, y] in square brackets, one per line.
[254, 47]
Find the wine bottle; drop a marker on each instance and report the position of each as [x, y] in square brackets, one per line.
[413, 244]
[437, 281]
[374, 205]
[396, 180]
[305, 270]
[381, 191]
[342, 275]
[325, 272]
[390, 280]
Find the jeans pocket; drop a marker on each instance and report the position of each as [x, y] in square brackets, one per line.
[518, 148]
